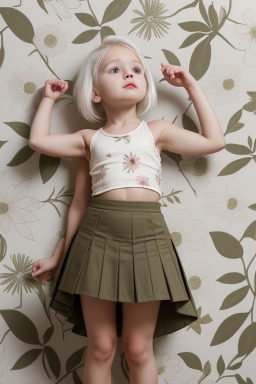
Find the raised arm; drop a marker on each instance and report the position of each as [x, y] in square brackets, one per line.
[41, 140]
[178, 140]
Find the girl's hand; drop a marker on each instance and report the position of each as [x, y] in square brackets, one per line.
[43, 269]
[54, 88]
[177, 75]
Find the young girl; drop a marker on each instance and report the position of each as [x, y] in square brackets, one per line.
[120, 274]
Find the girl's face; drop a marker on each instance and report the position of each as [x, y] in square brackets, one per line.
[119, 66]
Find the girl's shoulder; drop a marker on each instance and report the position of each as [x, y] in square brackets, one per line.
[156, 127]
[87, 135]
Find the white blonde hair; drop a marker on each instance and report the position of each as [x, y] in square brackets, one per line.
[87, 78]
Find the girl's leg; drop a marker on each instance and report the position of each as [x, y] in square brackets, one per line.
[139, 321]
[100, 321]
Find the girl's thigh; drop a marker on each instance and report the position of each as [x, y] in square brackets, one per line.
[139, 321]
[100, 319]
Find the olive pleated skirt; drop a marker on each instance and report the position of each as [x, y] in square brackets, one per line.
[122, 251]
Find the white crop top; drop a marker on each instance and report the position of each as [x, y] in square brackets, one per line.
[124, 160]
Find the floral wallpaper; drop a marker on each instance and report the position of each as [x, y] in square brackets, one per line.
[209, 202]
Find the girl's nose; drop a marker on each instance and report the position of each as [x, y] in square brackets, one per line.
[129, 73]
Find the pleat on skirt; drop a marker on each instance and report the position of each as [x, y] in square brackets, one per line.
[122, 251]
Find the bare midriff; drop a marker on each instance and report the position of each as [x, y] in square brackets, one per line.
[131, 194]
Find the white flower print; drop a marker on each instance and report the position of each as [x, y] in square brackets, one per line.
[202, 280]
[49, 40]
[187, 234]
[16, 209]
[23, 86]
[199, 169]
[167, 366]
[61, 7]
[248, 41]
[231, 204]
[224, 83]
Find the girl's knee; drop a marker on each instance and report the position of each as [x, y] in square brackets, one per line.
[137, 349]
[103, 348]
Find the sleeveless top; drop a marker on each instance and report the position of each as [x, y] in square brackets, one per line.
[124, 160]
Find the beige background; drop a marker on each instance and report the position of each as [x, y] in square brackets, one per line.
[209, 202]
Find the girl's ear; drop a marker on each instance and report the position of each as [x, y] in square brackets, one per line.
[95, 96]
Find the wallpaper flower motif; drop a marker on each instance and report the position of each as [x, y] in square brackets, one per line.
[225, 83]
[187, 234]
[23, 87]
[202, 280]
[151, 20]
[16, 209]
[230, 203]
[20, 277]
[247, 30]
[61, 7]
[49, 40]
[199, 169]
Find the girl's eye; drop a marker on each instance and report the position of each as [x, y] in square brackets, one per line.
[113, 69]
[117, 68]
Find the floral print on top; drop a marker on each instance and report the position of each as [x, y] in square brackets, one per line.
[142, 180]
[101, 174]
[158, 178]
[126, 138]
[131, 162]
[119, 161]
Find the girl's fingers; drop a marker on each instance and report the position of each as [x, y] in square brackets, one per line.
[46, 277]
[36, 273]
[35, 266]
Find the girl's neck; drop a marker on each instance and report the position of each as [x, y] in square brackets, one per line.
[122, 127]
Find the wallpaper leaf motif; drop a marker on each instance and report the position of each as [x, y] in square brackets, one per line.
[3, 247]
[87, 19]
[233, 124]
[41, 4]
[75, 359]
[229, 327]
[48, 165]
[21, 326]
[21, 156]
[220, 365]
[114, 10]
[232, 278]
[235, 166]
[53, 360]
[27, 359]
[18, 23]
[235, 297]
[191, 360]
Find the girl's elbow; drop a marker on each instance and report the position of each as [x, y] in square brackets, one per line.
[220, 147]
[32, 145]
[223, 145]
